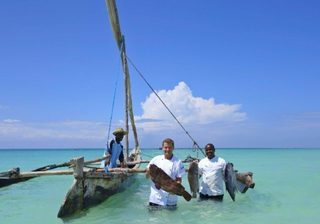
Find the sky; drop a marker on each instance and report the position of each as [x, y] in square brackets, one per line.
[234, 73]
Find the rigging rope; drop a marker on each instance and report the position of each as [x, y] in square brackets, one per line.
[195, 144]
[112, 107]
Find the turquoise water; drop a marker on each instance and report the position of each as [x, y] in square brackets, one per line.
[286, 191]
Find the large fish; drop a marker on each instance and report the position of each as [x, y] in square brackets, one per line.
[230, 179]
[160, 178]
[193, 178]
[244, 181]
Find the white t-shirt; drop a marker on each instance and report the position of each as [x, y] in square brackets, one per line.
[175, 169]
[212, 171]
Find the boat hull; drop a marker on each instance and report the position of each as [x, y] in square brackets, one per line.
[8, 181]
[11, 177]
[92, 188]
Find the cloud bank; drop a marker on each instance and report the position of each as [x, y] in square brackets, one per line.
[155, 122]
[204, 119]
[188, 109]
[15, 133]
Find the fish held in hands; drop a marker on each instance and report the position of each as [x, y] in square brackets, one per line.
[164, 181]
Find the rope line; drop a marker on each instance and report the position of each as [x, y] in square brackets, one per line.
[112, 106]
[144, 79]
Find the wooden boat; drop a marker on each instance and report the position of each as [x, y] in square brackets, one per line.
[14, 176]
[92, 186]
[11, 177]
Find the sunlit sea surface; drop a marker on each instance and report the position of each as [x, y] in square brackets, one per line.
[287, 190]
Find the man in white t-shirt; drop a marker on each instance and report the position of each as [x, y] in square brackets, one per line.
[172, 166]
[212, 169]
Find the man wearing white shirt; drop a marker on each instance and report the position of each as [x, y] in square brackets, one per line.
[212, 169]
[172, 166]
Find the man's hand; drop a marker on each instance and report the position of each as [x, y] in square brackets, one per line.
[147, 173]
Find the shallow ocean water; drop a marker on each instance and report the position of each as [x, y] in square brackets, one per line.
[286, 191]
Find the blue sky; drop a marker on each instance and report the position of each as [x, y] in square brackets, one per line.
[235, 73]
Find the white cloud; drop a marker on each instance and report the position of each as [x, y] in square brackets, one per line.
[197, 114]
[11, 121]
[53, 130]
[223, 129]
[16, 133]
[188, 109]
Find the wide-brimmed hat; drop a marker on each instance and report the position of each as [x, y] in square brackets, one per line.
[118, 131]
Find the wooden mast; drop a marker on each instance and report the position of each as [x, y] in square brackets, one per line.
[114, 20]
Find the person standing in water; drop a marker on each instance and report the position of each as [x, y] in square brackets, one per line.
[212, 169]
[172, 166]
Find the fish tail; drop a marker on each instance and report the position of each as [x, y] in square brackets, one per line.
[186, 196]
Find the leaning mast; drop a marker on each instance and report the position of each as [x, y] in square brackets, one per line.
[114, 20]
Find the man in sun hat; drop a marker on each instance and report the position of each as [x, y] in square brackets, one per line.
[115, 149]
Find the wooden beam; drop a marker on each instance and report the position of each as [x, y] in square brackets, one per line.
[45, 173]
[126, 170]
[70, 172]
[137, 162]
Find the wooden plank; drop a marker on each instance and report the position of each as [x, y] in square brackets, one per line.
[126, 170]
[45, 173]
[70, 172]
[137, 162]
